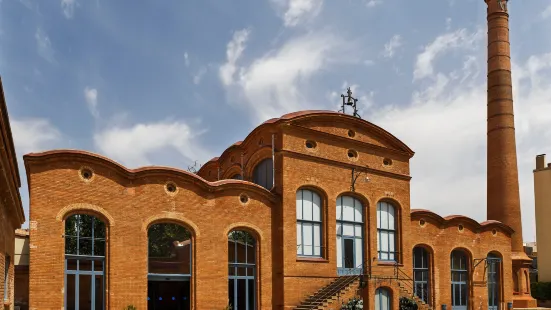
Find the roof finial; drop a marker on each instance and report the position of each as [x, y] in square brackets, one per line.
[351, 101]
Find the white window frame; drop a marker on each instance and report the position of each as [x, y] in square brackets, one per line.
[312, 223]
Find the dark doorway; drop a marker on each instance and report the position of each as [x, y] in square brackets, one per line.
[349, 253]
[168, 295]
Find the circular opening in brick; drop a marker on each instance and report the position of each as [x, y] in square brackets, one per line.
[310, 144]
[351, 133]
[170, 187]
[86, 173]
[387, 162]
[352, 154]
[460, 227]
[494, 232]
[243, 198]
[421, 223]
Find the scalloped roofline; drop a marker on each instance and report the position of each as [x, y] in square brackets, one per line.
[301, 114]
[141, 171]
[416, 213]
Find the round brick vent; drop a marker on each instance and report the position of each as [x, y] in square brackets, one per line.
[86, 174]
[422, 223]
[351, 133]
[243, 198]
[460, 227]
[171, 187]
[494, 232]
[352, 154]
[387, 162]
[310, 144]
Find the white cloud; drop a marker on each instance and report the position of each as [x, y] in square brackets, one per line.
[199, 76]
[68, 7]
[133, 146]
[453, 40]
[233, 52]
[296, 12]
[373, 3]
[547, 12]
[33, 135]
[44, 46]
[186, 59]
[91, 97]
[445, 124]
[279, 79]
[390, 47]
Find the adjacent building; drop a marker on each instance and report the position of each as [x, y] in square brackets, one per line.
[11, 209]
[542, 192]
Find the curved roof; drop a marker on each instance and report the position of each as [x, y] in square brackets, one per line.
[143, 171]
[294, 116]
[447, 220]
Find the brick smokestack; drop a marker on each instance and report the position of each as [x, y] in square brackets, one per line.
[502, 180]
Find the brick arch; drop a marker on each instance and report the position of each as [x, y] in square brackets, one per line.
[259, 155]
[364, 200]
[255, 230]
[87, 208]
[171, 217]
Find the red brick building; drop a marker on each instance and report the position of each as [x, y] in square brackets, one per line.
[11, 210]
[309, 210]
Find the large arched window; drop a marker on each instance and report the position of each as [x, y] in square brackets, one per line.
[460, 280]
[382, 299]
[242, 270]
[350, 230]
[169, 266]
[84, 263]
[263, 173]
[386, 231]
[494, 281]
[421, 277]
[308, 223]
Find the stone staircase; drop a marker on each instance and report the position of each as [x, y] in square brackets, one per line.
[331, 295]
[407, 291]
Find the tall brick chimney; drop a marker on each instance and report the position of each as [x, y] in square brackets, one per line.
[503, 191]
[503, 196]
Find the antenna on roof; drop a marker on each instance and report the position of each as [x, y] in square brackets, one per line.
[193, 168]
[349, 101]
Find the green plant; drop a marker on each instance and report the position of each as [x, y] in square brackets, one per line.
[130, 307]
[541, 290]
[228, 307]
[407, 304]
[353, 304]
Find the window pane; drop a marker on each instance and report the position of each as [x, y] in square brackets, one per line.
[231, 292]
[85, 292]
[251, 254]
[251, 294]
[99, 228]
[71, 245]
[70, 293]
[348, 230]
[71, 264]
[384, 218]
[99, 248]
[241, 294]
[339, 229]
[358, 230]
[299, 204]
[317, 240]
[299, 238]
[99, 292]
[231, 250]
[358, 252]
[339, 252]
[339, 208]
[391, 220]
[391, 241]
[307, 205]
[385, 300]
[316, 207]
[84, 246]
[384, 241]
[348, 208]
[358, 211]
[85, 225]
[307, 238]
[85, 265]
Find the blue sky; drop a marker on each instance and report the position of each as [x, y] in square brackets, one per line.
[169, 82]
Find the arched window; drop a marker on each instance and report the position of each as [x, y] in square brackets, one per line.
[242, 270]
[308, 223]
[421, 276]
[84, 262]
[460, 280]
[494, 281]
[382, 299]
[350, 230]
[237, 177]
[169, 266]
[263, 173]
[386, 231]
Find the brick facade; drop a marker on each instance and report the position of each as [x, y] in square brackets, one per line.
[11, 210]
[129, 201]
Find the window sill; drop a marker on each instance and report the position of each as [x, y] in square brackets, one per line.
[312, 259]
[389, 263]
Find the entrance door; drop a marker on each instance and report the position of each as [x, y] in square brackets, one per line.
[168, 295]
[460, 281]
[349, 236]
[493, 282]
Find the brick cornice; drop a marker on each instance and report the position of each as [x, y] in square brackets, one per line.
[54, 156]
[417, 214]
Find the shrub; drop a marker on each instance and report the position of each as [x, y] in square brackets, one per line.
[541, 290]
[355, 303]
[407, 304]
[130, 307]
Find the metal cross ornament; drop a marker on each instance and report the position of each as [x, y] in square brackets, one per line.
[349, 101]
[502, 5]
